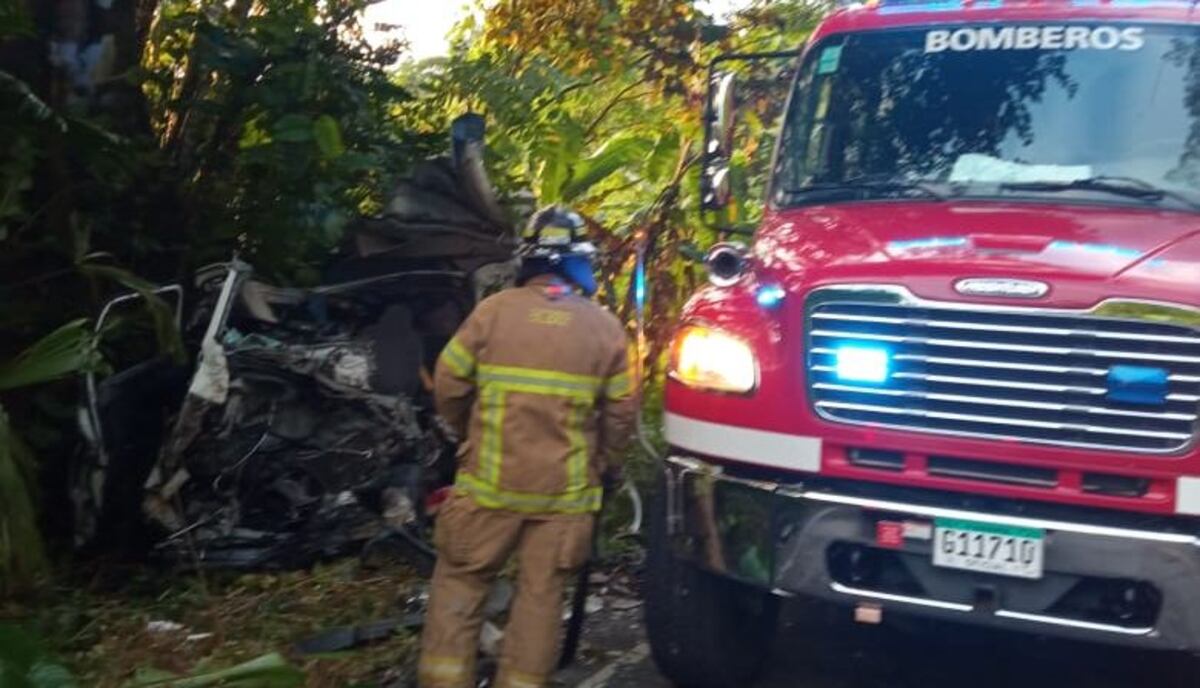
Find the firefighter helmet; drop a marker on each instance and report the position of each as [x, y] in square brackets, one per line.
[554, 243]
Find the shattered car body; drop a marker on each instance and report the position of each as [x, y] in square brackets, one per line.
[306, 428]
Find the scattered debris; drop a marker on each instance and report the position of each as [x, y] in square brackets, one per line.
[163, 627]
[489, 639]
[595, 604]
[624, 604]
[499, 598]
[197, 637]
[350, 637]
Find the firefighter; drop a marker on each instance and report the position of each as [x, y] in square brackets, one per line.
[538, 381]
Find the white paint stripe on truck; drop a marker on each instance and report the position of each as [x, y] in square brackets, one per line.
[1187, 496]
[775, 449]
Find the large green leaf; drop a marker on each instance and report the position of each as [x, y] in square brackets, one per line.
[623, 150]
[14, 21]
[25, 663]
[663, 156]
[329, 137]
[293, 129]
[22, 557]
[267, 671]
[69, 349]
[18, 95]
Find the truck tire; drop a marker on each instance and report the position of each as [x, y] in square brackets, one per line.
[704, 631]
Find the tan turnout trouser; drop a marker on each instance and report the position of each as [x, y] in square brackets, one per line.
[473, 544]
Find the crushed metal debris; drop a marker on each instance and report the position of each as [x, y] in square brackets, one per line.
[304, 429]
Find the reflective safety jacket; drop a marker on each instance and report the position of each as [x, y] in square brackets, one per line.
[538, 381]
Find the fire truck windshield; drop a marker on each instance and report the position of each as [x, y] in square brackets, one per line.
[1106, 113]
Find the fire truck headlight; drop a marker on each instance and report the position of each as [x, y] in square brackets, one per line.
[705, 358]
[857, 363]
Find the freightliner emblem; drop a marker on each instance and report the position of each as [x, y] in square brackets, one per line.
[1007, 288]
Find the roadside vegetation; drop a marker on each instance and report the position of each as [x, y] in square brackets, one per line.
[145, 138]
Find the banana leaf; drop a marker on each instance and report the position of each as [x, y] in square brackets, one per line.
[622, 151]
[22, 555]
[25, 663]
[268, 671]
[68, 350]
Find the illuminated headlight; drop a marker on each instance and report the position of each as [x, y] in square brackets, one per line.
[710, 359]
[857, 363]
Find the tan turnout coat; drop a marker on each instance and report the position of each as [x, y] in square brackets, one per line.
[538, 380]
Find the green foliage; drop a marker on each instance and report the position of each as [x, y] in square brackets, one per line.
[22, 554]
[282, 123]
[623, 151]
[257, 126]
[14, 21]
[25, 663]
[68, 350]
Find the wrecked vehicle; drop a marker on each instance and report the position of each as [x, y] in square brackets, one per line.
[305, 428]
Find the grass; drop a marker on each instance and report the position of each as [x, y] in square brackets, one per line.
[100, 629]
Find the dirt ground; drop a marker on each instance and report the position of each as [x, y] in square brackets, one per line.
[128, 621]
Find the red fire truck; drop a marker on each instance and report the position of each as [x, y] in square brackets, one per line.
[956, 372]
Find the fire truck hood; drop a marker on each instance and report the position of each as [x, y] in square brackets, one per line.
[1083, 253]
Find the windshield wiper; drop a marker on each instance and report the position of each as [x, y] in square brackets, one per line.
[1129, 187]
[867, 188]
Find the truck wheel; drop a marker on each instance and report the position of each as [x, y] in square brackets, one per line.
[704, 631]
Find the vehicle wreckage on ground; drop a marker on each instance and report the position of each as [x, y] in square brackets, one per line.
[305, 427]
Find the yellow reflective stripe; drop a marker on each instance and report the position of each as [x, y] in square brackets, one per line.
[618, 386]
[444, 668]
[495, 382]
[542, 374]
[491, 446]
[536, 381]
[458, 359]
[586, 500]
[577, 459]
[544, 390]
[511, 678]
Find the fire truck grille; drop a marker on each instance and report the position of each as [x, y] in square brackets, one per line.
[1049, 377]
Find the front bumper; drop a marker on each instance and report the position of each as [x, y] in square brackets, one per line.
[1104, 583]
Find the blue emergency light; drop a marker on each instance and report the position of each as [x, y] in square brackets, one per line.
[770, 295]
[1143, 385]
[858, 363]
[639, 283]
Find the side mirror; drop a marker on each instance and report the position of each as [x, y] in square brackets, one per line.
[755, 81]
[720, 119]
[724, 104]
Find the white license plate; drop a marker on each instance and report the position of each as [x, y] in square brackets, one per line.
[988, 548]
